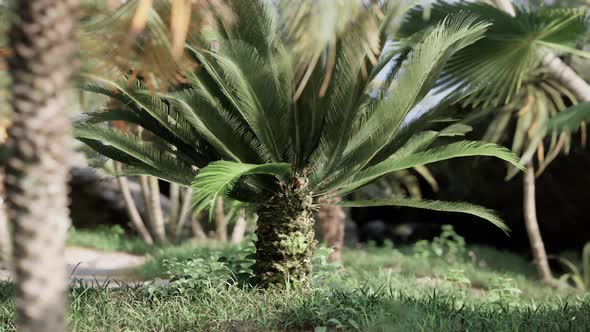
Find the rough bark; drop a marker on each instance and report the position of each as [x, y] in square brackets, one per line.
[285, 244]
[155, 210]
[132, 211]
[332, 219]
[558, 69]
[532, 226]
[5, 245]
[220, 221]
[43, 60]
[237, 234]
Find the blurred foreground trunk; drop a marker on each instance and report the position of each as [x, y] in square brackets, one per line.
[220, 221]
[532, 226]
[44, 47]
[332, 219]
[5, 245]
[239, 230]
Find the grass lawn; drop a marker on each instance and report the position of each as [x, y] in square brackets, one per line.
[438, 286]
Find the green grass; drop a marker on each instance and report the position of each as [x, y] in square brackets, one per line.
[440, 286]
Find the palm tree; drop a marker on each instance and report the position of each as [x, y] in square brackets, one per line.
[43, 59]
[509, 66]
[243, 129]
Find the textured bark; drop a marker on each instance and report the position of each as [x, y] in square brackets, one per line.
[43, 60]
[558, 69]
[132, 211]
[5, 245]
[332, 218]
[285, 244]
[155, 210]
[532, 226]
[237, 234]
[220, 222]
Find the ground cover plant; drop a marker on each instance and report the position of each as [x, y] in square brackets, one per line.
[442, 285]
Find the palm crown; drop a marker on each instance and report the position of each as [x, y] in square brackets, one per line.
[237, 130]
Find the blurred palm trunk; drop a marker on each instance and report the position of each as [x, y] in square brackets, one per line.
[220, 221]
[43, 60]
[237, 234]
[151, 196]
[131, 208]
[532, 226]
[5, 245]
[174, 203]
[332, 219]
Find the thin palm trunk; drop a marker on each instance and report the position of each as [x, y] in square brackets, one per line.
[237, 234]
[332, 218]
[174, 203]
[532, 226]
[44, 48]
[184, 216]
[220, 221]
[155, 210]
[132, 211]
[557, 68]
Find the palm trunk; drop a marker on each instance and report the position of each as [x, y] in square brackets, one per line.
[174, 203]
[5, 245]
[220, 222]
[285, 244]
[197, 229]
[184, 214]
[132, 211]
[43, 60]
[332, 218]
[558, 69]
[237, 234]
[155, 210]
[532, 226]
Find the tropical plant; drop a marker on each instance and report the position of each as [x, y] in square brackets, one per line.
[43, 50]
[237, 131]
[579, 277]
[508, 67]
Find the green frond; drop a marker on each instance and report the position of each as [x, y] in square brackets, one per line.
[459, 207]
[571, 119]
[410, 157]
[219, 178]
[505, 58]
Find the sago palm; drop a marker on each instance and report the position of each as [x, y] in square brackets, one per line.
[514, 85]
[236, 129]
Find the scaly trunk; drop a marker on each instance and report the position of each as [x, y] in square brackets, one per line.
[332, 218]
[532, 226]
[220, 222]
[285, 244]
[237, 234]
[5, 245]
[132, 211]
[43, 60]
[155, 210]
[557, 68]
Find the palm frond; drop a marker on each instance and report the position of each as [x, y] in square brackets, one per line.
[219, 178]
[571, 119]
[459, 207]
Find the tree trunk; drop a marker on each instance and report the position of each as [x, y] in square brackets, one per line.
[237, 234]
[558, 69]
[174, 203]
[155, 210]
[5, 245]
[332, 218]
[132, 211]
[532, 226]
[197, 229]
[43, 60]
[285, 244]
[220, 222]
[185, 215]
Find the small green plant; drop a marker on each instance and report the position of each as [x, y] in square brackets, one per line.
[503, 290]
[448, 245]
[580, 278]
[458, 277]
